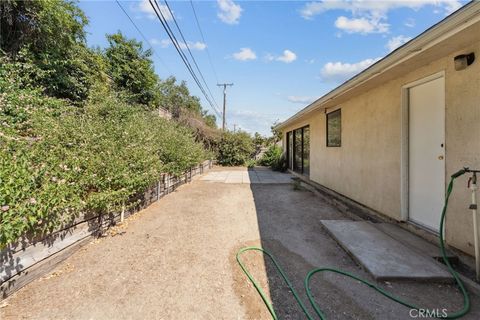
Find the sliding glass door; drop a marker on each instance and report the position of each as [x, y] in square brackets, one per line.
[298, 150]
[290, 149]
[306, 151]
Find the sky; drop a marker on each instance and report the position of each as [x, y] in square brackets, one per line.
[280, 55]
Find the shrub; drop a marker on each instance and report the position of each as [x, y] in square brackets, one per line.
[274, 158]
[234, 149]
[58, 161]
[70, 141]
[251, 163]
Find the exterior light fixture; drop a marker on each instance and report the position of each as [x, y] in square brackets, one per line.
[463, 61]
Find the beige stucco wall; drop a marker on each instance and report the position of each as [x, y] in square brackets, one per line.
[367, 167]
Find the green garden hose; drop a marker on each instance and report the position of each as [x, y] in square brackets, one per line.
[320, 313]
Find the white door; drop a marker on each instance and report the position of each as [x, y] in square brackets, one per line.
[426, 176]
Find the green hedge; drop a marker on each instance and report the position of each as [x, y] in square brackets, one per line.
[235, 149]
[57, 161]
[274, 158]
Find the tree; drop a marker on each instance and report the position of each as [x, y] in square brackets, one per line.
[258, 140]
[131, 70]
[235, 148]
[209, 119]
[46, 27]
[176, 97]
[50, 35]
[277, 134]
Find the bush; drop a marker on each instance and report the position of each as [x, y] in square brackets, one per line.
[77, 132]
[251, 163]
[234, 149]
[274, 158]
[58, 161]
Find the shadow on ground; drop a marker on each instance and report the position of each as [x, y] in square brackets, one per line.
[289, 225]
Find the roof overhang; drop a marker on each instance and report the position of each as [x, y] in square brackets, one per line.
[451, 25]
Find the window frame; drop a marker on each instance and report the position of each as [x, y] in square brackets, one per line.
[292, 153]
[328, 115]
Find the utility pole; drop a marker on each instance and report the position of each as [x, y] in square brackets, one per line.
[234, 127]
[224, 85]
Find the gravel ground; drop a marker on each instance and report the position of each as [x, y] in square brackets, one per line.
[176, 260]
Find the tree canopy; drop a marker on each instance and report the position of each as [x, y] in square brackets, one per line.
[78, 133]
[131, 69]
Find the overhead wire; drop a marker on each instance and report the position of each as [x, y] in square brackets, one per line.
[204, 41]
[144, 37]
[161, 17]
[190, 52]
[173, 39]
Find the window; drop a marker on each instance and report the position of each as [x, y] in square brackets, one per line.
[298, 150]
[290, 149]
[306, 151]
[334, 128]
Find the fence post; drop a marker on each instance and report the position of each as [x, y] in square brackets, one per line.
[167, 178]
[158, 188]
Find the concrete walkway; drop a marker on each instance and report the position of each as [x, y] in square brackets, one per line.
[176, 260]
[251, 175]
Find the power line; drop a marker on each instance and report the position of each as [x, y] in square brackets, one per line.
[173, 38]
[144, 38]
[171, 35]
[190, 52]
[203, 39]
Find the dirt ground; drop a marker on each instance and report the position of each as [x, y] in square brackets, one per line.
[176, 260]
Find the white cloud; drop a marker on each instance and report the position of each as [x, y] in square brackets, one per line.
[197, 45]
[374, 8]
[252, 121]
[245, 54]
[145, 7]
[301, 99]
[452, 6]
[396, 42]
[410, 22]
[287, 56]
[230, 12]
[361, 25]
[339, 71]
[371, 16]
[164, 43]
[269, 57]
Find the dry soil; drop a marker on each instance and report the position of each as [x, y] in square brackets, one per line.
[176, 260]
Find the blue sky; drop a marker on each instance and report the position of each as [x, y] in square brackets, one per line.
[280, 55]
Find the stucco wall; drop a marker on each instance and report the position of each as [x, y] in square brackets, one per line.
[367, 167]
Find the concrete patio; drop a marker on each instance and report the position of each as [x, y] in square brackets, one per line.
[246, 176]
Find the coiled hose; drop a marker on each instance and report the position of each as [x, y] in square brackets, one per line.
[316, 308]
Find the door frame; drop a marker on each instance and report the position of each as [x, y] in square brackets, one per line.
[404, 165]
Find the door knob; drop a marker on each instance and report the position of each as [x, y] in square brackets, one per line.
[440, 157]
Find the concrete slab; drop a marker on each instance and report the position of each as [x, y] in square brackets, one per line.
[254, 180]
[262, 175]
[381, 255]
[413, 241]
